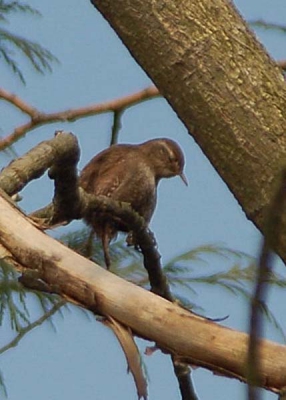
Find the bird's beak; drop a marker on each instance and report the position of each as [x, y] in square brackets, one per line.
[184, 178]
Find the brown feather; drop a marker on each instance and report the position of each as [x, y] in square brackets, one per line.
[129, 173]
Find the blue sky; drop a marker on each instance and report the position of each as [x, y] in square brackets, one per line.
[82, 359]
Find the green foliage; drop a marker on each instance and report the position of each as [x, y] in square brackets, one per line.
[39, 57]
[236, 279]
[14, 6]
[14, 307]
[13, 299]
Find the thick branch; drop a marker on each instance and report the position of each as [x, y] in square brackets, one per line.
[35, 163]
[39, 118]
[220, 81]
[192, 338]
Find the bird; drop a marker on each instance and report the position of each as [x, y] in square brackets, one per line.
[129, 173]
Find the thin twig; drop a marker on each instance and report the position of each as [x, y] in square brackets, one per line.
[183, 374]
[272, 235]
[38, 118]
[18, 103]
[116, 126]
[256, 323]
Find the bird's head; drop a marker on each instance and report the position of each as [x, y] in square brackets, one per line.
[165, 158]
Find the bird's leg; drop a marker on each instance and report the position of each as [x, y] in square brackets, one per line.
[105, 239]
[130, 241]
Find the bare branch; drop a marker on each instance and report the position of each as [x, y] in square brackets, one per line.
[18, 103]
[39, 118]
[34, 163]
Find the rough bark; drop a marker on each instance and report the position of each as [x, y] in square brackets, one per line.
[175, 330]
[220, 81]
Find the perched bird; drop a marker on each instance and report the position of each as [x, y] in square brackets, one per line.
[130, 173]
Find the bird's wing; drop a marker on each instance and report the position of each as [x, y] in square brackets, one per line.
[105, 172]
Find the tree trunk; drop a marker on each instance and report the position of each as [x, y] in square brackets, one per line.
[193, 339]
[220, 81]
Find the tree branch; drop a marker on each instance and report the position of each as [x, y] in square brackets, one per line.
[34, 163]
[194, 339]
[18, 103]
[39, 118]
[116, 126]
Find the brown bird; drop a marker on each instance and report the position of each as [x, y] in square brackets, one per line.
[130, 173]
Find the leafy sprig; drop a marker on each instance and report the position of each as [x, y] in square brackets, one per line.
[39, 57]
